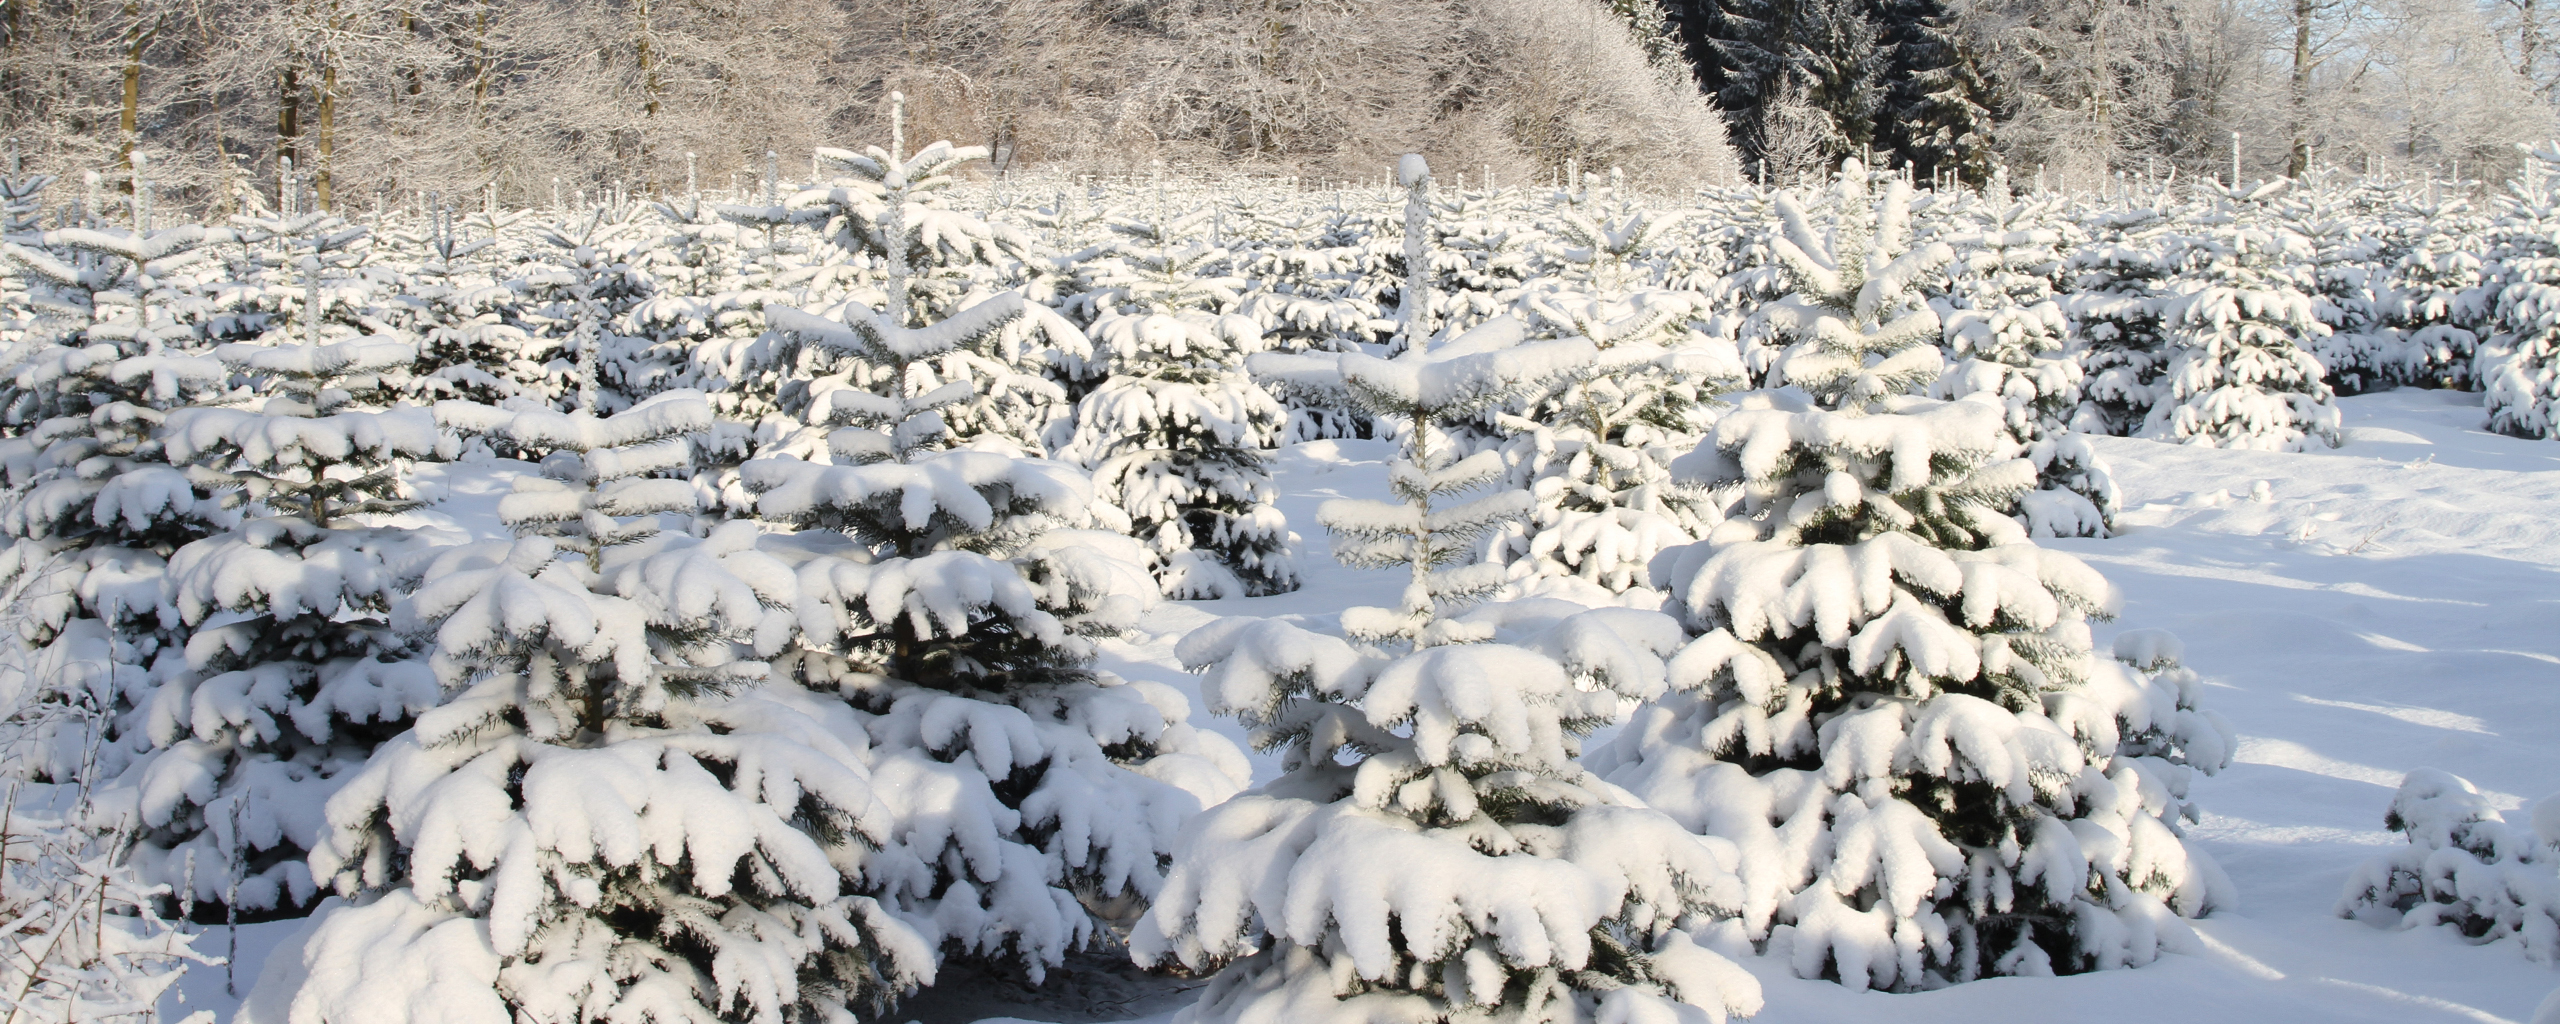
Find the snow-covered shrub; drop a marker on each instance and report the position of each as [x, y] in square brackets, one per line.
[1896, 715]
[1432, 852]
[2465, 867]
[85, 940]
[1854, 327]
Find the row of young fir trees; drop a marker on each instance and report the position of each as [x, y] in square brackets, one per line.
[571, 773]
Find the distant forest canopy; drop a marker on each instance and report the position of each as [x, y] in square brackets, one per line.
[525, 100]
[2085, 88]
[382, 100]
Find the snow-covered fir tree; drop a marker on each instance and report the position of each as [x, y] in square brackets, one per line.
[2235, 335]
[293, 674]
[1854, 327]
[609, 819]
[583, 291]
[1431, 851]
[958, 619]
[2465, 867]
[916, 259]
[1174, 436]
[2120, 285]
[2009, 337]
[1896, 714]
[1427, 531]
[1595, 450]
[94, 508]
[2436, 297]
[2519, 359]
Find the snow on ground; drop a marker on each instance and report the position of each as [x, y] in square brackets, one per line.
[2389, 605]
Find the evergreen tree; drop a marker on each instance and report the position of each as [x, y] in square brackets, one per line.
[1854, 327]
[94, 508]
[2007, 329]
[960, 625]
[2239, 374]
[1594, 452]
[1896, 715]
[2436, 295]
[2120, 285]
[1445, 858]
[293, 674]
[1435, 541]
[1175, 435]
[1829, 53]
[607, 821]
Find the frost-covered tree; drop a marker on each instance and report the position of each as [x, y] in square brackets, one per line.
[1431, 851]
[94, 509]
[1854, 326]
[1896, 714]
[2009, 337]
[293, 674]
[608, 820]
[1041, 794]
[916, 259]
[2120, 283]
[1426, 531]
[582, 292]
[1595, 450]
[2465, 867]
[2436, 297]
[1175, 438]
[2239, 372]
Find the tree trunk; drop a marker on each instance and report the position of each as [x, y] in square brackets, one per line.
[2298, 159]
[137, 35]
[328, 132]
[289, 113]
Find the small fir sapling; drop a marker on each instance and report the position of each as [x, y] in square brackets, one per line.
[293, 676]
[2239, 374]
[2466, 867]
[958, 620]
[2117, 306]
[1175, 434]
[1424, 532]
[2009, 334]
[649, 833]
